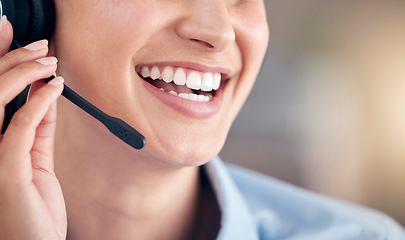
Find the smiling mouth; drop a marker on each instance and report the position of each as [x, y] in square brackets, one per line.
[184, 83]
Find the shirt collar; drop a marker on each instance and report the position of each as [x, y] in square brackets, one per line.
[236, 219]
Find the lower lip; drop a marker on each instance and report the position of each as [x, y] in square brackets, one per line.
[188, 107]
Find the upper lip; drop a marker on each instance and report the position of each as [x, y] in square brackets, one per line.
[226, 72]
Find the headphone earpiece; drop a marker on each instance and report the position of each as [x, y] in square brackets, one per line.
[32, 20]
[42, 20]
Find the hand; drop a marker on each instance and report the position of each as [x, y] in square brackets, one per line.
[31, 201]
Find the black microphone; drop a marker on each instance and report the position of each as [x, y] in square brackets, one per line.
[116, 126]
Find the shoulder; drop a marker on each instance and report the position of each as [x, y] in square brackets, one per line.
[281, 210]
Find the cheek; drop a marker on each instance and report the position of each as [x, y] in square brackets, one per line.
[252, 33]
[252, 36]
[105, 26]
[100, 43]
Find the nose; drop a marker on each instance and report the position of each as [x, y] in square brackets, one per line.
[208, 24]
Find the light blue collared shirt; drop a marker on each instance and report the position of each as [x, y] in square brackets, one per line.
[255, 206]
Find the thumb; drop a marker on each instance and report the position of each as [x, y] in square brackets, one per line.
[6, 35]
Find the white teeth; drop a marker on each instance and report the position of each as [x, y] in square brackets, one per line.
[207, 82]
[194, 80]
[180, 77]
[192, 96]
[145, 72]
[167, 74]
[217, 81]
[202, 98]
[155, 73]
[183, 95]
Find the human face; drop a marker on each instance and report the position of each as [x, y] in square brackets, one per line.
[102, 46]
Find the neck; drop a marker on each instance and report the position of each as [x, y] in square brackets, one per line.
[117, 193]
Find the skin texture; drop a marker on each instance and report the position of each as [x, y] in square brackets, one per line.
[112, 191]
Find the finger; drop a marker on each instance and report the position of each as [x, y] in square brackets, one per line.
[6, 35]
[18, 78]
[30, 52]
[35, 86]
[20, 134]
[42, 149]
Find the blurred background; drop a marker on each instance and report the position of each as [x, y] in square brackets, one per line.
[328, 110]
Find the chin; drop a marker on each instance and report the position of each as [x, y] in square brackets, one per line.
[187, 154]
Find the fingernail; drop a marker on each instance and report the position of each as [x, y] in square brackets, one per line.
[56, 81]
[47, 60]
[3, 22]
[38, 45]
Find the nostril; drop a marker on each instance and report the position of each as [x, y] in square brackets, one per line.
[203, 43]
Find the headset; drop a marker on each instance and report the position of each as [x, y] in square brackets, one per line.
[34, 20]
